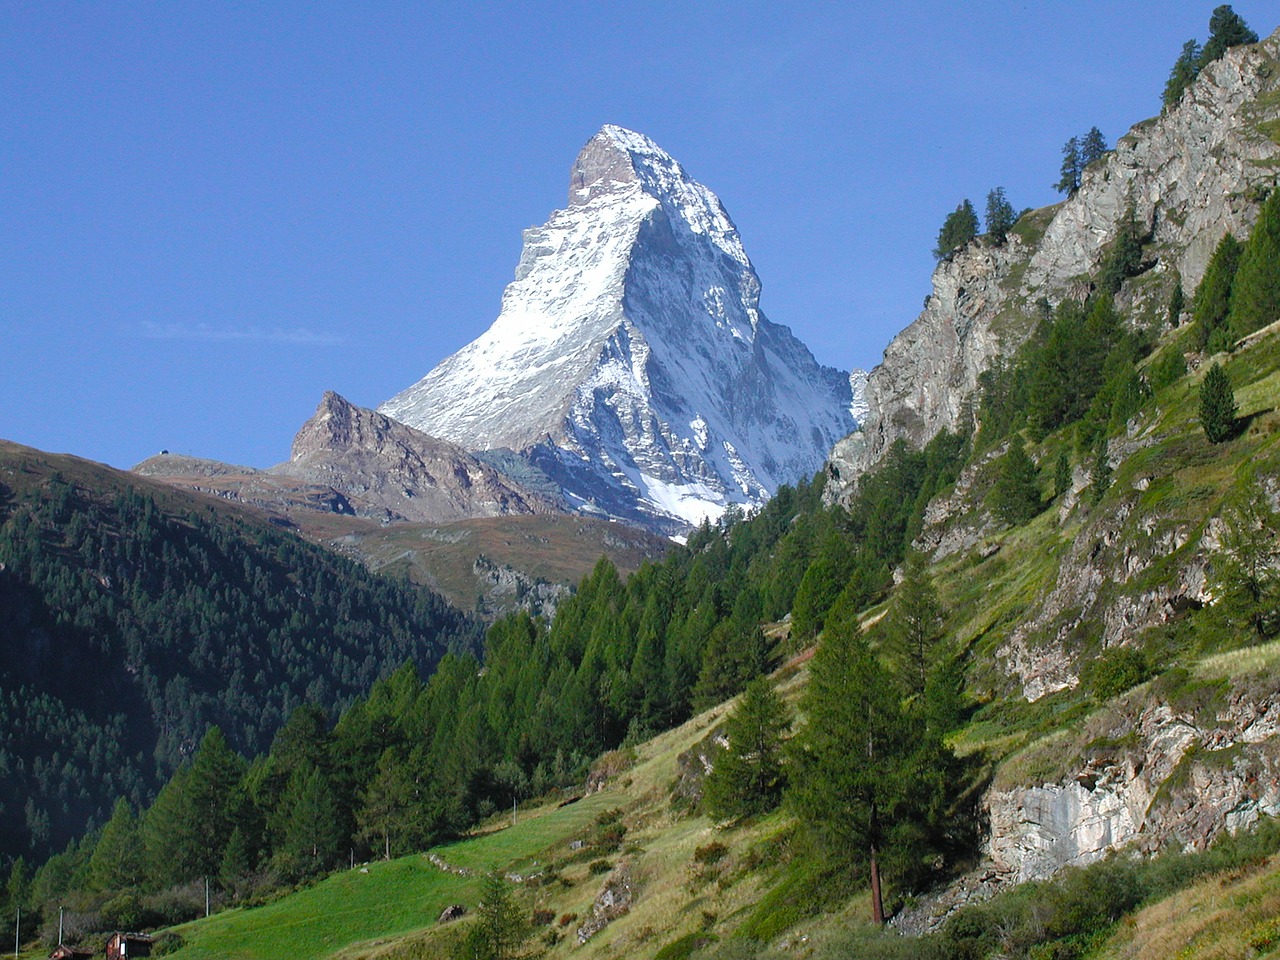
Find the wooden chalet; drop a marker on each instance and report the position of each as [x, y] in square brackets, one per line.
[65, 951]
[123, 946]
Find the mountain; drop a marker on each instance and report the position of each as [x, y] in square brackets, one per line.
[1186, 177]
[411, 475]
[630, 363]
[134, 615]
[349, 460]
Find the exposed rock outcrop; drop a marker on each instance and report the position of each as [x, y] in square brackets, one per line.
[1190, 175]
[1154, 772]
[613, 901]
[375, 461]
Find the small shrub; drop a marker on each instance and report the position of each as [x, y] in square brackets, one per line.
[1116, 671]
[543, 918]
[712, 852]
[166, 943]
[567, 918]
[599, 866]
[610, 837]
[123, 912]
[686, 946]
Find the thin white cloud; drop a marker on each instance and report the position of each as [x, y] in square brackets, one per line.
[209, 333]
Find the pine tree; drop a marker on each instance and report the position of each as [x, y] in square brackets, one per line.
[117, 860]
[747, 778]
[913, 624]
[1124, 257]
[1226, 29]
[958, 229]
[1255, 291]
[1101, 473]
[1185, 69]
[1177, 301]
[1015, 497]
[1217, 405]
[1061, 474]
[1000, 215]
[387, 806]
[214, 797]
[1093, 147]
[1069, 181]
[1245, 569]
[872, 785]
[314, 833]
[1212, 300]
[237, 859]
[500, 929]
[849, 756]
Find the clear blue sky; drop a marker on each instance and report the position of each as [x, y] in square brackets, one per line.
[212, 212]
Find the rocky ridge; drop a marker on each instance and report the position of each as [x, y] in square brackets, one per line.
[1190, 175]
[368, 456]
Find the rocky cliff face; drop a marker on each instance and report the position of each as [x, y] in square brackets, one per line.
[373, 460]
[1155, 771]
[1191, 175]
[630, 362]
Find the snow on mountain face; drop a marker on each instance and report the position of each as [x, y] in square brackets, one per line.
[630, 361]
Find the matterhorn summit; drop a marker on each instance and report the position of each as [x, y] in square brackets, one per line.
[631, 365]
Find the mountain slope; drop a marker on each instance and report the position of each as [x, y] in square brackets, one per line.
[1188, 176]
[630, 361]
[133, 615]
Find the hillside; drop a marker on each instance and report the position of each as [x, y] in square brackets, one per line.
[487, 565]
[135, 615]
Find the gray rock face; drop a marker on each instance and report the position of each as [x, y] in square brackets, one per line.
[631, 363]
[373, 460]
[1192, 174]
[1129, 796]
[1147, 776]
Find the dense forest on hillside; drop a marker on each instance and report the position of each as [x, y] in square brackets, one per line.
[128, 629]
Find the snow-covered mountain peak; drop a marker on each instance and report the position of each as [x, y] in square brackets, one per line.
[618, 161]
[630, 363]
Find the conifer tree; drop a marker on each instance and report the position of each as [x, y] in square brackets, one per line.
[237, 859]
[386, 809]
[1245, 569]
[1101, 473]
[850, 756]
[1069, 180]
[1015, 497]
[871, 784]
[1217, 405]
[1061, 474]
[1212, 300]
[1092, 147]
[117, 857]
[913, 624]
[747, 778]
[1000, 215]
[1124, 258]
[500, 929]
[1177, 301]
[1185, 69]
[958, 229]
[314, 833]
[1226, 29]
[1255, 291]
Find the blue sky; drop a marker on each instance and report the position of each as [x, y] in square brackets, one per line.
[210, 213]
